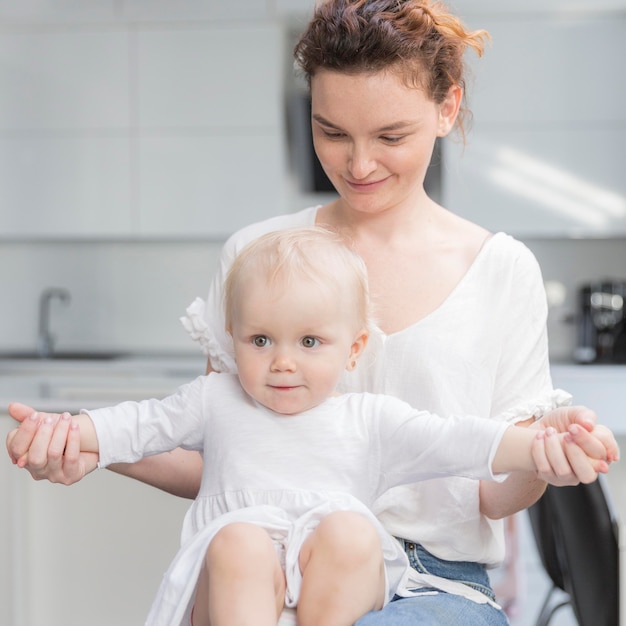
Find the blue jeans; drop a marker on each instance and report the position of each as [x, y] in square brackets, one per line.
[441, 609]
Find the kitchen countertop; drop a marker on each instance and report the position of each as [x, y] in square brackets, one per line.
[74, 384]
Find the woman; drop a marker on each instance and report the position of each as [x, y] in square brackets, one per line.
[461, 312]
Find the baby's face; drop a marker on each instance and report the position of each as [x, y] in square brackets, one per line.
[292, 344]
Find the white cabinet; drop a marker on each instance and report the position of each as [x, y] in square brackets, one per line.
[210, 76]
[193, 10]
[126, 131]
[541, 69]
[210, 138]
[209, 185]
[93, 553]
[64, 108]
[545, 155]
[537, 182]
[61, 185]
[465, 7]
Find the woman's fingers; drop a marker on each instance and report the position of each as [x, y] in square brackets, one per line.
[562, 461]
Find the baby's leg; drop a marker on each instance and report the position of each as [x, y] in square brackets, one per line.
[242, 581]
[343, 575]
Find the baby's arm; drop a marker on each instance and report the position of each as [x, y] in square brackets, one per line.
[515, 452]
[88, 437]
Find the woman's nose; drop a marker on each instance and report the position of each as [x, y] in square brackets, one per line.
[361, 161]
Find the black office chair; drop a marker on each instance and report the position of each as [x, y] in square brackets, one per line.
[541, 522]
[576, 533]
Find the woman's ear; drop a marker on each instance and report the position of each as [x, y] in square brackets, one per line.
[356, 350]
[449, 110]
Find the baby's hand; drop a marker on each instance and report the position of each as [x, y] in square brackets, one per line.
[48, 446]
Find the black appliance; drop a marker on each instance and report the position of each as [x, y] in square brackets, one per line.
[602, 323]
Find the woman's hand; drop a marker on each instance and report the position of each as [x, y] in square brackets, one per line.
[568, 464]
[48, 446]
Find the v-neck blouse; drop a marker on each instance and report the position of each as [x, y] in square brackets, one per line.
[483, 351]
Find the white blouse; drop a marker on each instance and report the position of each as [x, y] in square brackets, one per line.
[483, 351]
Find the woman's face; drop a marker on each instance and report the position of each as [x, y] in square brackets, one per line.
[374, 136]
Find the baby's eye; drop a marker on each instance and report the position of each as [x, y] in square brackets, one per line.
[260, 341]
[310, 342]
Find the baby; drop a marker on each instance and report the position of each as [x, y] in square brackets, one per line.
[290, 467]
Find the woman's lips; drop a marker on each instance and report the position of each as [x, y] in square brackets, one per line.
[371, 186]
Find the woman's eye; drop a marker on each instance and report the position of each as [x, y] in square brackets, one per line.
[387, 139]
[331, 134]
[260, 341]
[310, 342]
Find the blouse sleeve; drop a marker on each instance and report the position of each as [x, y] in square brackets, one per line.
[523, 384]
[130, 431]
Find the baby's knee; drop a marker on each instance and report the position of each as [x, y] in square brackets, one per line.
[349, 535]
[240, 542]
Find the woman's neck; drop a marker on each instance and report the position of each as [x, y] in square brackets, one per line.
[413, 220]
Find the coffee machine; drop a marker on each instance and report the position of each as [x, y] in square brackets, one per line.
[602, 323]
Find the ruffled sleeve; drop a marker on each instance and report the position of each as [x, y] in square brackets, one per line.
[194, 322]
[537, 408]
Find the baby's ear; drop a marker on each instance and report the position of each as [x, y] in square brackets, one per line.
[357, 348]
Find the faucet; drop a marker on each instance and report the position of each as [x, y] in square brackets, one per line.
[45, 340]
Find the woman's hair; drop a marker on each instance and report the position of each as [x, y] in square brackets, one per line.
[310, 253]
[419, 39]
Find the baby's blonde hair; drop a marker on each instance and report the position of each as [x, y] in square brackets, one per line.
[313, 253]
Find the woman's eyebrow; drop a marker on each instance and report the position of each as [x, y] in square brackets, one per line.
[322, 120]
[400, 125]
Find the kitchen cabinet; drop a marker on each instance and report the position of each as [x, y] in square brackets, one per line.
[140, 132]
[93, 553]
[464, 7]
[210, 144]
[193, 10]
[64, 161]
[544, 155]
[64, 186]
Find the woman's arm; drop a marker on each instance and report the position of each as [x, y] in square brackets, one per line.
[178, 472]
